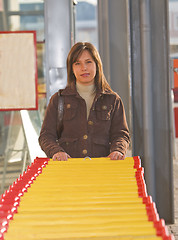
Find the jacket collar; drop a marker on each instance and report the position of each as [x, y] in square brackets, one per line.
[71, 90]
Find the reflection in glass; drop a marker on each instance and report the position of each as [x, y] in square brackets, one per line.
[86, 22]
[21, 15]
[25, 5]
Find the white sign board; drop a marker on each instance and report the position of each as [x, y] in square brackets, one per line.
[18, 71]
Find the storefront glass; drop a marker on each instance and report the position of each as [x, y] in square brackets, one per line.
[28, 15]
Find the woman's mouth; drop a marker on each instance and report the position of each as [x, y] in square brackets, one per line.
[85, 74]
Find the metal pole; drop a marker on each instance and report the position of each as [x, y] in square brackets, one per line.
[151, 101]
[113, 46]
[136, 78]
[147, 96]
[58, 40]
[5, 18]
[103, 32]
[162, 110]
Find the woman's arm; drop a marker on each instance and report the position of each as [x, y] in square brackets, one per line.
[119, 132]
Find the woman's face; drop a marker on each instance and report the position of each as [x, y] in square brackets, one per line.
[84, 69]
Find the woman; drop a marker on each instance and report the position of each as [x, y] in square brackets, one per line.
[94, 122]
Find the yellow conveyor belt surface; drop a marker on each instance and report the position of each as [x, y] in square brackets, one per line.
[83, 199]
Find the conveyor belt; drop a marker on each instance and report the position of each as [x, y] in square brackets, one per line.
[80, 199]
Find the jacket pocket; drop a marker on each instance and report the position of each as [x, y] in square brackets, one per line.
[103, 112]
[100, 147]
[70, 110]
[69, 145]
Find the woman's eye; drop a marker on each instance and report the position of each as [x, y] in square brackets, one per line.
[89, 61]
[77, 63]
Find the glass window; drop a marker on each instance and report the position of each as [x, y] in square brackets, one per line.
[173, 27]
[25, 5]
[86, 24]
[26, 15]
[173, 33]
[27, 23]
[21, 15]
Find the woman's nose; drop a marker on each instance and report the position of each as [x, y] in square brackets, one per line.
[84, 67]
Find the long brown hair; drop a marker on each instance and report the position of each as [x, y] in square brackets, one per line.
[74, 54]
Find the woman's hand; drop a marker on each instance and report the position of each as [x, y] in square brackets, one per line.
[61, 156]
[116, 156]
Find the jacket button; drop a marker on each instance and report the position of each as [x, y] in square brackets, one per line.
[85, 137]
[90, 123]
[84, 151]
[104, 107]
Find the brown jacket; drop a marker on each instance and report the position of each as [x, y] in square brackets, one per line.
[103, 132]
